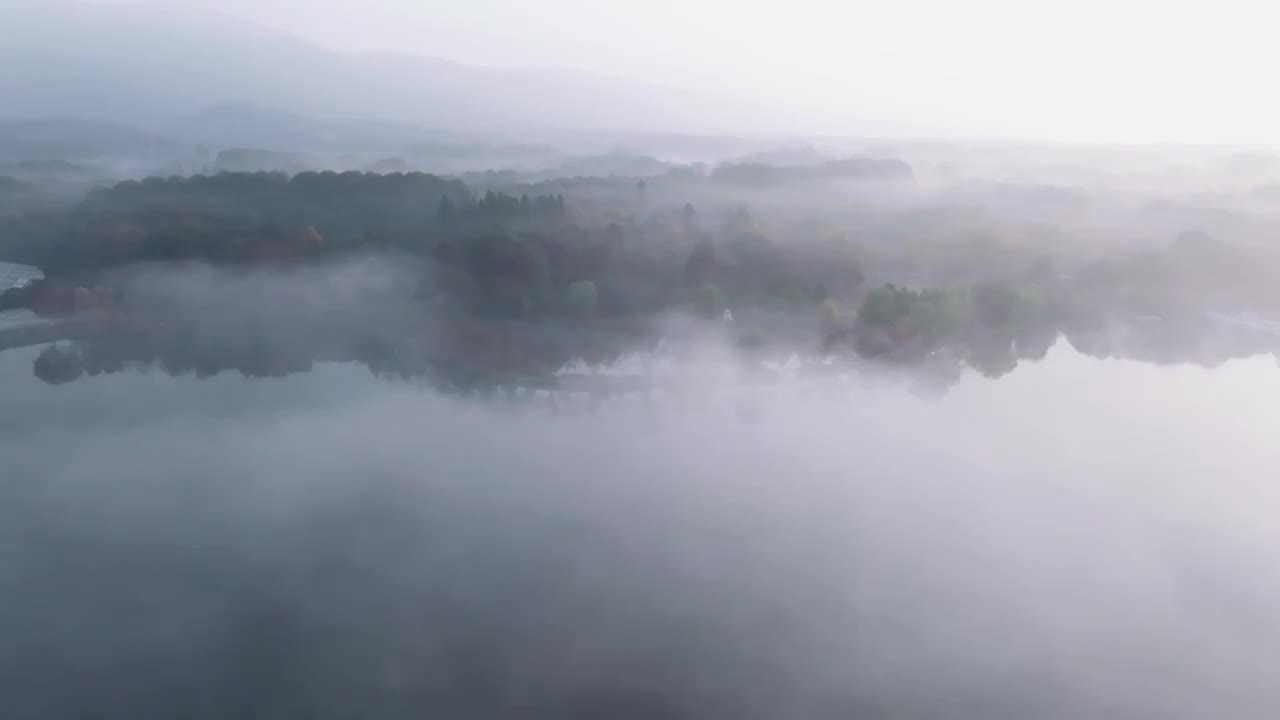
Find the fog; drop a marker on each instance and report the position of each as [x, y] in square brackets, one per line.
[991, 69]
[588, 360]
[1092, 71]
[1081, 538]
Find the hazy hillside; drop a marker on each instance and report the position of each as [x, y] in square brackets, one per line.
[70, 137]
[152, 67]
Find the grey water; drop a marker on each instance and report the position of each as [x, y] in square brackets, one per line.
[1079, 538]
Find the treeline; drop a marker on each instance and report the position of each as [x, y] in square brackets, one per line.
[1192, 274]
[589, 253]
[518, 252]
[763, 175]
[989, 327]
[933, 333]
[243, 218]
[586, 266]
[504, 254]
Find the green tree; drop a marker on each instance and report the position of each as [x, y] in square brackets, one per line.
[708, 300]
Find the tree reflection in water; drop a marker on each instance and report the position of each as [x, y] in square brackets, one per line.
[485, 358]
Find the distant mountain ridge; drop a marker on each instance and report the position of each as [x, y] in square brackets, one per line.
[152, 65]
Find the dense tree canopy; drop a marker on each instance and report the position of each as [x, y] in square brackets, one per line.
[592, 255]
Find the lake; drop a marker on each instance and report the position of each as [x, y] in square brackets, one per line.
[1078, 538]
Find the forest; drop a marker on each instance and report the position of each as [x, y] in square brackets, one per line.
[847, 258]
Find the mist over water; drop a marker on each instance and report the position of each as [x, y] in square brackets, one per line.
[1079, 538]
[524, 375]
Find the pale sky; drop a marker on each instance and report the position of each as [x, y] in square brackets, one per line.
[1129, 70]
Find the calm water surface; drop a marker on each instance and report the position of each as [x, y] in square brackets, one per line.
[1079, 538]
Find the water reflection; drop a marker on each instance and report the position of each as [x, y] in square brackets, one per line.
[395, 317]
[1078, 539]
[482, 358]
